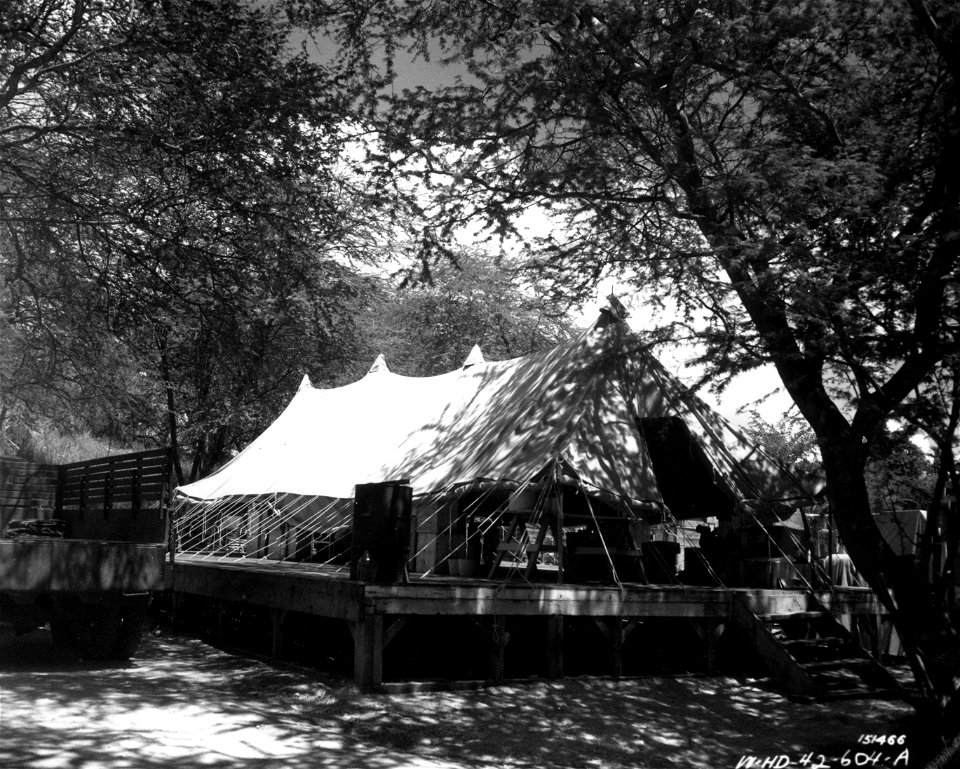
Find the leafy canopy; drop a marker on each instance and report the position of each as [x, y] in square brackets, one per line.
[431, 325]
[175, 236]
[783, 172]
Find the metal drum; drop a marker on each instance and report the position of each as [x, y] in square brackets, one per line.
[381, 532]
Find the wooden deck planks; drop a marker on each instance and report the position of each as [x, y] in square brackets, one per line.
[270, 584]
[321, 590]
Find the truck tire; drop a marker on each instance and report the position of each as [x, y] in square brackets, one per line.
[129, 635]
[63, 632]
[97, 631]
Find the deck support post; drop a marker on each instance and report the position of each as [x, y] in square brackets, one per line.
[221, 612]
[616, 646]
[710, 629]
[176, 603]
[499, 638]
[368, 651]
[277, 616]
[616, 631]
[555, 646]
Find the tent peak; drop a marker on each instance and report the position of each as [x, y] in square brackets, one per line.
[305, 383]
[613, 313]
[380, 364]
[475, 356]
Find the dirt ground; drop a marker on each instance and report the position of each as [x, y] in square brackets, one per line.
[183, 703]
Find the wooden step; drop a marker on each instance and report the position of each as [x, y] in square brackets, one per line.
[830, 640]
[831, 643]
[836, 664]
[792, 615]
[861, 692]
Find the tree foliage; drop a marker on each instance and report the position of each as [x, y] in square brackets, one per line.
[174, 233]
[899, 476]
[430, 326]
[780, 165]
[785, 174]
[791, 442]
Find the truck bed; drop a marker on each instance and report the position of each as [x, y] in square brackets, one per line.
[81, 565]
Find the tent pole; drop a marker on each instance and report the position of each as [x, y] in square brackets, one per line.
[558, 530]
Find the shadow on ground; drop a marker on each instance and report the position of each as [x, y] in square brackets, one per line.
[183, 703]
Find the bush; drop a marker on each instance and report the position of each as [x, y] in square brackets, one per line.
[46, 444]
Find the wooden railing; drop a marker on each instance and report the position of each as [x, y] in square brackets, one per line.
[120, 497]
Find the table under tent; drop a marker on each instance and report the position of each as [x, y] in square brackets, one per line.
[579, 470]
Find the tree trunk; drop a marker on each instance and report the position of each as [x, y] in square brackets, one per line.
[172, 429]
[930, 640]
[172, 435]
[199, 454]
[947, 591]
[928, 544]
[945, 472]
[210, 449]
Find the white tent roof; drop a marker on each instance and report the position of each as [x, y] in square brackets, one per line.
[503, 421]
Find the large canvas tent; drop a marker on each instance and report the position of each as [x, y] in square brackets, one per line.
[601, 402]
[599, 406]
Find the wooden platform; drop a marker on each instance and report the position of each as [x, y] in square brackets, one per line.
[323, 591]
